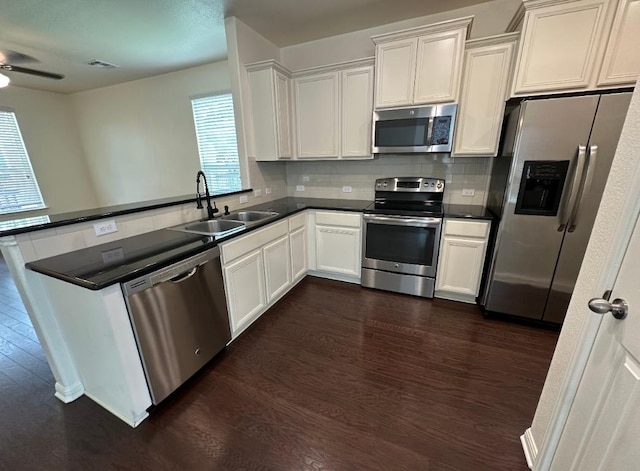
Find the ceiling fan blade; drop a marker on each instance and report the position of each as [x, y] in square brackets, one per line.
[7, 56]
[39, 73]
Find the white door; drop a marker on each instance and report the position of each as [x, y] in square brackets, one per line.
[621, 59]
[277, 267]
[338, 250]
[317, 115]
[298, 245]
[603, 426]
[357, 112]
[283, 114]
[244, 280]
[460, 265]
[395, 72]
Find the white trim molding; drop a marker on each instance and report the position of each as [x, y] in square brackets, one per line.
[529, 447]
[69, 394]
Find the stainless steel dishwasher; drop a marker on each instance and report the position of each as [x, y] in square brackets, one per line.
[179, 318]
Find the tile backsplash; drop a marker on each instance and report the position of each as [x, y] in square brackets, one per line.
[325, 179]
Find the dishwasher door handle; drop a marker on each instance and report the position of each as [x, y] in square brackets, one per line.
[184, 276]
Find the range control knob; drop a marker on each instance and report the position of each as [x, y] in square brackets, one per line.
[385, 184]
[378, 184]
[439, 185]
[433, 184]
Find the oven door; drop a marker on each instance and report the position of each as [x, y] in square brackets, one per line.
[401, 244]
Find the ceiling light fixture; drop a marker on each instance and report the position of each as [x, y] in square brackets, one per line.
[4, 80]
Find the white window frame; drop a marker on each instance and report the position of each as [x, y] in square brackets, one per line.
[212, 178]
[28, 168]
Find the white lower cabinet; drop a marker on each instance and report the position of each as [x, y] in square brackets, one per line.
[298, 247]
[277, 268]
[338, 242]
[245, 290]
[463, 248]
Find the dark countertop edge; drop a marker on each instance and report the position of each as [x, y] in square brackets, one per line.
[486, 217]
[111, 211]
[214, 242]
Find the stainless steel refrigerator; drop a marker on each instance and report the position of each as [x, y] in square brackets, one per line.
[546, 186]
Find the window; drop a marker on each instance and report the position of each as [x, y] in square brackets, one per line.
[18, 186]
[217, 143]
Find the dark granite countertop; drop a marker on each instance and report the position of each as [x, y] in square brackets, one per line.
[122, 260]
[47, 221]
[471, 211]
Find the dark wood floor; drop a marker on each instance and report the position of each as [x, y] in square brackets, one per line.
[334, 377]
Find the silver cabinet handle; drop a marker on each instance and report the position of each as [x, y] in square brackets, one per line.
[586, 186]
[619, 307]
[570, 202]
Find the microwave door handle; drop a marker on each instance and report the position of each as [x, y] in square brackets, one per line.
[429, 132]
[571, 200]
[586, 186]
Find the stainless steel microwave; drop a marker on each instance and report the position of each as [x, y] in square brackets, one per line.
[414, 130]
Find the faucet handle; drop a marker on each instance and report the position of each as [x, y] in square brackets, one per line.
[215, 208]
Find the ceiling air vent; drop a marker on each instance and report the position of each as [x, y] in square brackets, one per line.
[103, 64]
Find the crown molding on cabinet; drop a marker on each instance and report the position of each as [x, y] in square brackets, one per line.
[333, 67]
[422, 30]
[517, 19]
[533, 4]
[493, 40]
[266, 65]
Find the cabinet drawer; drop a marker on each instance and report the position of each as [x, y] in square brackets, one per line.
[297, 221]
[242, 245]
[460, 227]
[328, 218]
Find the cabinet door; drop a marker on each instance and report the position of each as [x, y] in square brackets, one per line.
[439, 67]
[559, 46]
[484, 91]
[338, 250]
[317, 115]
[460, 265]
[298, 246]
[245, 288]
[621, 59]
[357, 112]
[277, 263]
[283, 115]
[395, 72]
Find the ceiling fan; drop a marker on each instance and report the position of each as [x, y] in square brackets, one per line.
[9, 59]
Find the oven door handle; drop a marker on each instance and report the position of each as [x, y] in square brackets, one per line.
[403, 221]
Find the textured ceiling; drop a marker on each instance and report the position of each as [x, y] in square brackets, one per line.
[150, 37]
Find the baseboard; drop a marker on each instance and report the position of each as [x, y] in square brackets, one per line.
[69, 394]
[132, 421]
[529, 447]
[335, 276]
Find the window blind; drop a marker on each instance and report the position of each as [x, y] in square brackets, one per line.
[217, 142]
[18, 186]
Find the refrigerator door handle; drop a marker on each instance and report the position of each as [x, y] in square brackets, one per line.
[586, 186]
[571, 201]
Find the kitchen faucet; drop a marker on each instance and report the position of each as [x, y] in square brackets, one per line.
[210, 210]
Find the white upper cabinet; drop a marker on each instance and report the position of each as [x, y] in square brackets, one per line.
[357, 110]
[317, 101]
[485, 82]
[395, 72]
[270, 87]
[439, 66]
[577, 45]
[334, 111]
[621, 63]
[420, 65]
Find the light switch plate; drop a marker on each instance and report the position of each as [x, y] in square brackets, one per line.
[347, 189]
[267, 191]
[468, 191]
[244, 199]
[105, 227]
[257, 193]
[299, 187]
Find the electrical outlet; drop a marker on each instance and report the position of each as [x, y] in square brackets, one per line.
[305, 178]
[267, 191]
[257, 193]
[468, 192]
[106, 227]
[299, 187]
[347, 189]
[244, 199]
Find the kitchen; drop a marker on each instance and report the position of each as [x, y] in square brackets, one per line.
[403, 166]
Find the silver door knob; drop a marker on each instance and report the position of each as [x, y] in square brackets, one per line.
[619, 307]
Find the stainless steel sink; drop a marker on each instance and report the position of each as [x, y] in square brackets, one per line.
[249, 217]
[214, 227]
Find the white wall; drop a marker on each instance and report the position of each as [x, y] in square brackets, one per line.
[139, 137]
[490, 18]
[48, 127]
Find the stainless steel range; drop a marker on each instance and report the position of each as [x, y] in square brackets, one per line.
[401, 235]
